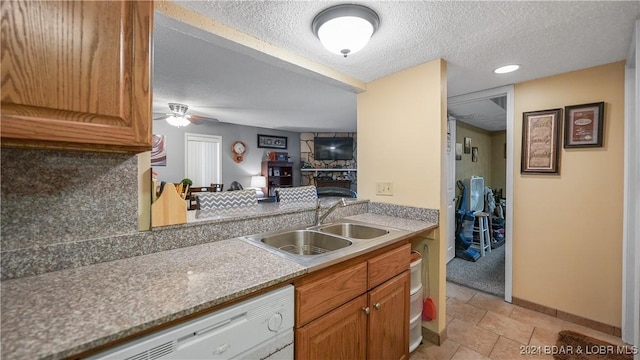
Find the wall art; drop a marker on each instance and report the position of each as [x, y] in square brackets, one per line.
[159, 150]
[467, 145]
[583, 125]
[540, 141]
[272, 142]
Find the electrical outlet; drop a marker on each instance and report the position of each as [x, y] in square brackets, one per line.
[384, 188]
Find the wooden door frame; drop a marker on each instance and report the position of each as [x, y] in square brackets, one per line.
[451, 182]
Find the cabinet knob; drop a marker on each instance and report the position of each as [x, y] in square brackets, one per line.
[377, 306]
[366, 310]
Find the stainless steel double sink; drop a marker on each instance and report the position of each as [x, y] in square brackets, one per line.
[321, 239]
[317, 244]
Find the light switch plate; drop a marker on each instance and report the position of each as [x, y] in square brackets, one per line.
[384, 188]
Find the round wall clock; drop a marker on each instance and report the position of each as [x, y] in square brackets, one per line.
[238, 148]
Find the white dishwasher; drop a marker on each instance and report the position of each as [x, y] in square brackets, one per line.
[258, 328]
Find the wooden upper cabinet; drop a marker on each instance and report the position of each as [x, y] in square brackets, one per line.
[76, 75]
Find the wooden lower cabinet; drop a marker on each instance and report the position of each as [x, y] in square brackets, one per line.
[340, 334]
[389, 319]
[371, 324]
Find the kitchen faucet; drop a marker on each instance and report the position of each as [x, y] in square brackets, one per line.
[320, 219]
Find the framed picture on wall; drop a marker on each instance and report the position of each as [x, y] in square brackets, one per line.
[159, 150]
[467, 145]
[458, 151]
[540, 142]
[272, 142]
[474, 154]
[583, 125]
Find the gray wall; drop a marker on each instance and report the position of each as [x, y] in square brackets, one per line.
[231, 171]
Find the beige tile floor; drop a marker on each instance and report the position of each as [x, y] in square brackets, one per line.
[482, 326]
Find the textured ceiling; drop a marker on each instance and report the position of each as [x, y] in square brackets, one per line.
[215, 80]
[482, 113]
[546, 38]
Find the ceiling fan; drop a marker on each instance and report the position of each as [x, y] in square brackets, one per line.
[179, 118]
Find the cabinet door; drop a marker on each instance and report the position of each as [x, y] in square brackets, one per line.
[388, 336]
[340, 334]
[76, 74]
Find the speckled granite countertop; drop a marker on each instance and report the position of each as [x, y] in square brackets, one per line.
[62, 313]
[59, 314]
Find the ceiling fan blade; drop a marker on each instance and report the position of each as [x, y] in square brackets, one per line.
[164, 117]
[198, 120]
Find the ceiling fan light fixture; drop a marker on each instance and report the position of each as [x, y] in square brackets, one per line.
[178, 109]
[178, 121]
[506, 69]
[345, 29]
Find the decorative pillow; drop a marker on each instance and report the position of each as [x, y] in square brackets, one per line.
[297, 194]
[226, 200]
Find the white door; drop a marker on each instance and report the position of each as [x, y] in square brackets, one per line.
[451, 188]
[203, 159]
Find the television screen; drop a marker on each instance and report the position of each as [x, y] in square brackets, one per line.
[333, 148]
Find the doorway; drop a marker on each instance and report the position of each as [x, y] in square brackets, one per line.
[484, 148]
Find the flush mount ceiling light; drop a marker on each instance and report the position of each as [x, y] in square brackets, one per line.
[345, 29]
[506, 69]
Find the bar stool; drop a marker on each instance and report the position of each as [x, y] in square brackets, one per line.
[484, 236]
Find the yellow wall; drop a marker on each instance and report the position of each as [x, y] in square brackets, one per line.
[144, 191]
[567, 242]
[491, 164]
[481, 139]
[498, 161]
[401, 135]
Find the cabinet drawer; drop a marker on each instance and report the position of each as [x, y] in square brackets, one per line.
[384, 267]
[319, 297]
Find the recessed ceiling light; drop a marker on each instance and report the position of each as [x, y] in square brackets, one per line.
[506, 69]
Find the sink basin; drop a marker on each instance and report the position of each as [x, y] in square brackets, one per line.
[305, 242]
[354, 231]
